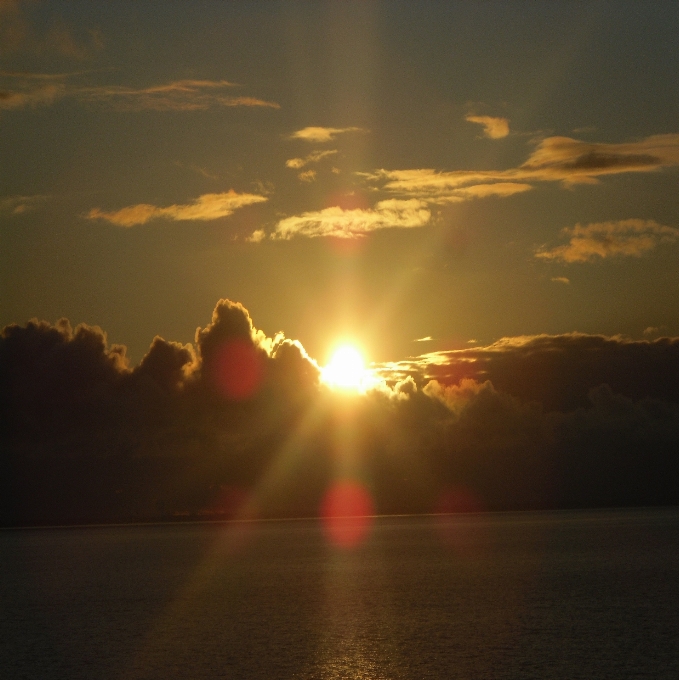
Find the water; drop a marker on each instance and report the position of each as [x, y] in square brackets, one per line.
[535, 595]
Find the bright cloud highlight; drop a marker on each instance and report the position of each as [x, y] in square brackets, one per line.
[322, 134]
[493, 128]
[341, 223]
[555, 159]
[205, 207]
[313, 157]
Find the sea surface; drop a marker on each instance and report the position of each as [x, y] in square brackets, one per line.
[591, 594]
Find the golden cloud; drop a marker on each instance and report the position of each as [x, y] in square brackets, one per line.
[179, 95]
[556, 159]
[247, 101]
[500, 189]
[205, 207]
[322, 134]
[307, 176]
[609, 239]
[572, 161]
[356, 223]
[314, 157]
[493, 128]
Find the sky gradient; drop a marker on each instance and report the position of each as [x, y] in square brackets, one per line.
[501, 169]
[449, 186]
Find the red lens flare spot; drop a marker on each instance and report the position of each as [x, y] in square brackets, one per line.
[347, 510]
[238, 370]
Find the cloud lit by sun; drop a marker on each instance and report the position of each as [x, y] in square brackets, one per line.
[346, 370]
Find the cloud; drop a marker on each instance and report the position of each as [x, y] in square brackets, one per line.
[573, 161]
[256, 236]
[560, 279]
[179, 95]
[313, 157]
[205, 207]
[322, 134]
[356, 223]
[42, 95]
[555, 370]
[632, 237]
[555, 159]
[247, 101]
[307, 176]
[18, 205]
[447, 187]
[528, 422]
[493, 128]
[427, 338]
[33, 89]
[500, 189]
[654, 331]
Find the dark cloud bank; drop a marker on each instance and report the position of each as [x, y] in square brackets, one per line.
[240, 426]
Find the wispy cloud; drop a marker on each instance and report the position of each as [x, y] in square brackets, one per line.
[32, 89]
[18, 205]
[356, 223]
[446, 187]
[609, 239]
[42, 95]
[555, 159]
[197, 169]
[560, 279]
[493, 128]
[322, 134]
[573, 161]
[20, 90]
[428, 338]
[307, 176]
[179, 95]
[247, 101]
[205, 207]
[313, 157]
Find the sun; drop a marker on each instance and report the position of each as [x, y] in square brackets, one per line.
[346, 369]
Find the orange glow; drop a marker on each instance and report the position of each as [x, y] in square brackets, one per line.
[346, 511]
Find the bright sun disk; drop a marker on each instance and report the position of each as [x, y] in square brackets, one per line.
[346, 369]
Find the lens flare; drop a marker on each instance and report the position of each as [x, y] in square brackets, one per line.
[347, 510]
[238, 370]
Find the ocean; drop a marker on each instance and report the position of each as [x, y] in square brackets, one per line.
[582, 594]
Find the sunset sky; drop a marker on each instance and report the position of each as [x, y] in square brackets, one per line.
[414, 178]
[201, 203]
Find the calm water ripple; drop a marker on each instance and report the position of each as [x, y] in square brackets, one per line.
[533, 595]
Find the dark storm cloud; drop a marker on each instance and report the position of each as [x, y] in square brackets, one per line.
[546, 421]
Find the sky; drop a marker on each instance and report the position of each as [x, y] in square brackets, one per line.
[444, 185]
[496, 169]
